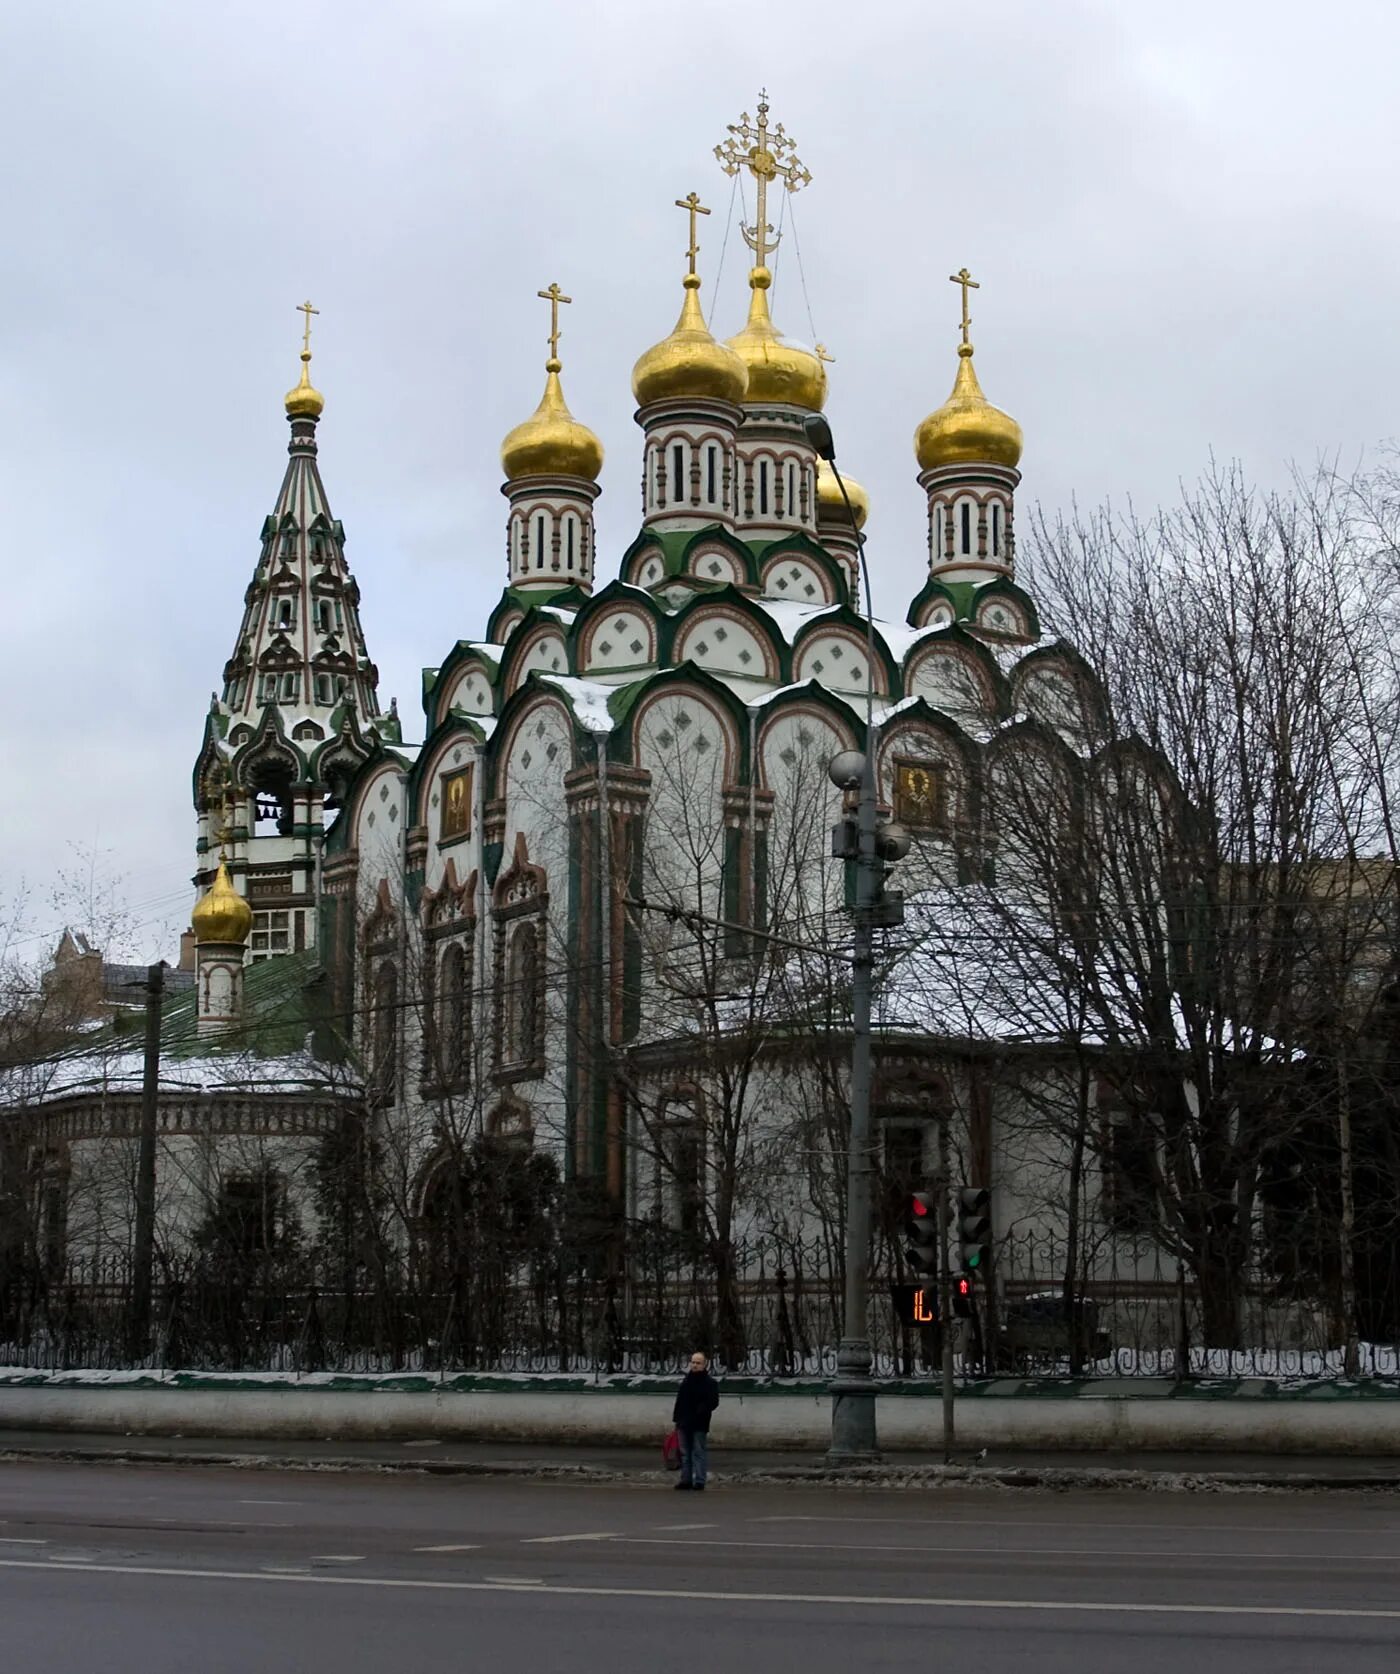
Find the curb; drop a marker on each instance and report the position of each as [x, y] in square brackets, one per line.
[1053, 1477]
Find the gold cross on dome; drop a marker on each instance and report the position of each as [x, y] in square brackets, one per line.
[308, 310]
[964, 278]
[554, 296]
[824, 354]
[691, 201]
[768, 154]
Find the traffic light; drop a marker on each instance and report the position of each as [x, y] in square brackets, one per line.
[962, 1297]
[974, 1226]
[921, 1232]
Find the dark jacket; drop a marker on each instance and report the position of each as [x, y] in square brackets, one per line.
[696, 1399]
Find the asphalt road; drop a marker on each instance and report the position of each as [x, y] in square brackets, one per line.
[108, 1569]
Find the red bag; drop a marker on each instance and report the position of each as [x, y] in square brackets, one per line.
[671, 1451]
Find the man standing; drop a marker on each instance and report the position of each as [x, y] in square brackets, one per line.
[696, 1399]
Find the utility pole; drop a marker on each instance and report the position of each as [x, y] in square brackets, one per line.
[945, 1281]
[143, 1260]
[870, 843]
[853, 1392]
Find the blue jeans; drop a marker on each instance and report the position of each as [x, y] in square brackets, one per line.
[695, 1447]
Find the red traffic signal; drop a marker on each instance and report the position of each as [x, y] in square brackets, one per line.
[962, 1297]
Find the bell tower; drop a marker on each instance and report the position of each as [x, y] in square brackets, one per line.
[299, 707]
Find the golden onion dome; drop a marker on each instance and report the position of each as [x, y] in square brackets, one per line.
[967, 429]
[304, 401]
[689, 362]
[222, 915]
[551, 442]
[778, 370]
[831, 508]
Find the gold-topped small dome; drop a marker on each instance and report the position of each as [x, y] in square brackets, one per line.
[967, 429]
[689, 362]
[305, 401]
[830, 506]
[778, 370]
[222, 915]
[551, 442]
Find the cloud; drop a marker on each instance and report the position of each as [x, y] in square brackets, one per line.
[1180, 215]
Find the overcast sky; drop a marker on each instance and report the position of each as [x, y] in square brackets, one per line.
[1183, 216]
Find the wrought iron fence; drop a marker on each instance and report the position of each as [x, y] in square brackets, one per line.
[773, 1308]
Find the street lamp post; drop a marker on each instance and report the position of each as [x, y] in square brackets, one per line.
[869, 844]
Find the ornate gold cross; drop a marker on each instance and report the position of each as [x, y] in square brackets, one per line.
[554, 296]
[691, 201]
[964, 278]
[824, 354]
[308, 310]
[768, 154]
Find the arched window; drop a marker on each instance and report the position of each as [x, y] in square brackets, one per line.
[967, 527]
[524, 1013]
[763, 488]
[710, 455]
[384, 1031]
[996, 530]
[452, 1013]
[678, 473]
[539, 542]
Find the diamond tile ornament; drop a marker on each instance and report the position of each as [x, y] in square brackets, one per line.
[384, 793]
[703, 648]
[525, 760]
[702, 743]
[683, 721]
[746, 657]
[636, 648]
[665, 739]
[606, 648]
[620, 626]
[721, 634]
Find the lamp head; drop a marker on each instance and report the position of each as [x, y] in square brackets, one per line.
[819, 435]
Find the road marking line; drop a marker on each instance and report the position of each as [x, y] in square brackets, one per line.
[675, 1527]
[1098, 1525]
[1025, 1551]
[337, 1558]
[269, 1502]
[563, 1540]
[277, 1569]
[885, 1601]
[20, 1540]
[471, 1547]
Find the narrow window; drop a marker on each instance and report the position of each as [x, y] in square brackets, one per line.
[966, 527]
[710, 474]
[678, 473]
[996, 530]
[791, 490]
[539, 543]
[571, 542]
[763, 489]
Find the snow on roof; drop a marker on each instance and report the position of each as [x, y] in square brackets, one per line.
[587, 698]
[102, 1073]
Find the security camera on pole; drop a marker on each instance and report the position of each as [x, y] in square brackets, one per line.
[870, 846]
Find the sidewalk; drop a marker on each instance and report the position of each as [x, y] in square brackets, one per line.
[1005, 1468]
